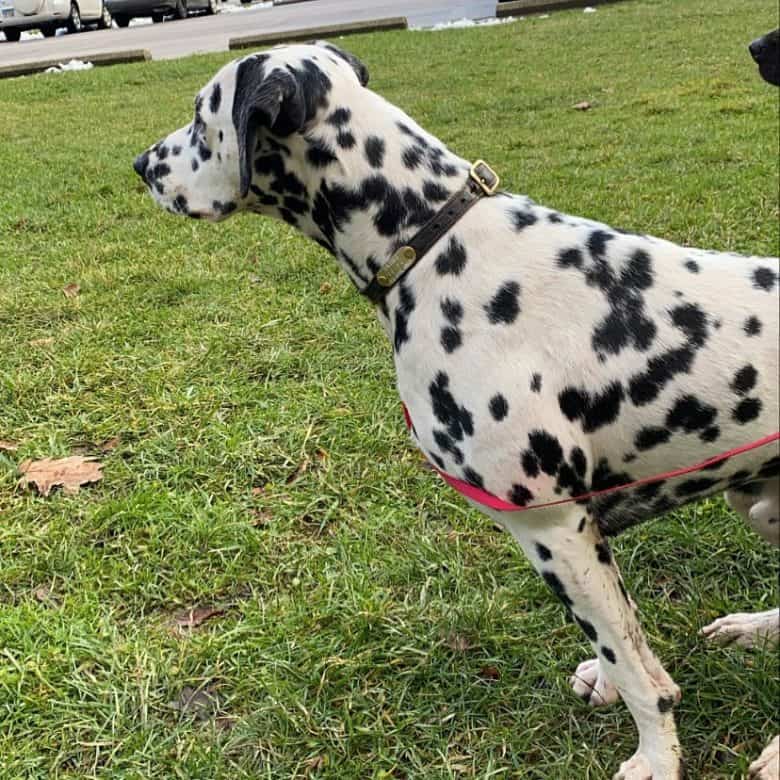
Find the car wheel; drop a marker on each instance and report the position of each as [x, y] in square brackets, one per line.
[157, 18]
[49, 31]
[12, 35]
[122, 20]
[181, 9]
[104, 23]
[74, 19]
[212, 7]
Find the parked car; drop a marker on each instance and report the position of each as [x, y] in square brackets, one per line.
[124, 10]
[47, 15]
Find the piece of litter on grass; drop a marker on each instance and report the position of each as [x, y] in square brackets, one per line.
[71, 290]
[63, 67]
[583, 106]
[589, 10]
[71, 473]
[8, 446]
[457, 24]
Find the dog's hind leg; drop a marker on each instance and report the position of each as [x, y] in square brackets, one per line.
[758, 503]
[566, 548]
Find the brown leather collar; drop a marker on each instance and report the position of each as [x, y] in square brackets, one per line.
[482, 182]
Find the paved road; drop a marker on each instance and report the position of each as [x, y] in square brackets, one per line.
[206, 34]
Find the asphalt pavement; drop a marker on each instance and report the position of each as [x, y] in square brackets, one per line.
[180, 38]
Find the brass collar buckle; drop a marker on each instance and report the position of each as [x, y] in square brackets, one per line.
[485, 177]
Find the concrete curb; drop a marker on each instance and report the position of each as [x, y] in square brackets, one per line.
[520, 7]
[98, 60]
[270, 39]
[290, 2]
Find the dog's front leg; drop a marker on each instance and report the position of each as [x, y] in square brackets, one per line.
[566, 548]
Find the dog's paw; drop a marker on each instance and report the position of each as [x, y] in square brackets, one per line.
[636, 768]
[745, 629]
[592, 686]
[767, 765]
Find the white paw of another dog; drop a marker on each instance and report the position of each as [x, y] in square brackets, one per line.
[746, 629]
[767, 765]
[592, 686]
[636, 768]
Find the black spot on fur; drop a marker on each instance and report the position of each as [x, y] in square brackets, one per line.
[665, 703]
[433, 191]
[691, 486]
[473, 478]
[499, 408]
[650, 437]
[504, 306]
[520, 495]
[752, 326]
[764, 278]
[556, 586]
[543, 552]
[692, 266]
[412, 157]
[451, 339]
[339, 117]
[216, 98]
[588, 628]
[405, 307]
[744, 380]
[570, 258]
[536, 383]
[746, 410]
[530, 463]
[547, 449]
[522, 218]
[319, 154]
[453, 259]
[609, 654]
[375, 151]
[345, 139]
[690, 414]
[457, 419]
[594, 411]
[603, 553]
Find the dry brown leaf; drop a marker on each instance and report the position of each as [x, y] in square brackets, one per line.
[582, 106]
[71, 473]
[258, 491]
[42, 593]
[8, 446]
[300, 470]
[71, 290]
[325, 288]
[192, 618]
[260, 517]
[45, 342]
[489, 673]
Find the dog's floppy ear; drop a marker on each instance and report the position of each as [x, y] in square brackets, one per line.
[274, 100]
[357, 65]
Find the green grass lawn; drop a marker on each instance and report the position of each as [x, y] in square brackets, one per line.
[370, 625]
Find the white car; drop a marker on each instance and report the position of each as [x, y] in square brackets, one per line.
[47, 15]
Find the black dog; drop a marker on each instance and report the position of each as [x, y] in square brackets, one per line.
[764, 51]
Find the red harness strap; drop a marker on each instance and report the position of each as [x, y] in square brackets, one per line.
[494, 502]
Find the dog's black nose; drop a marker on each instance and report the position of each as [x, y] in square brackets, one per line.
[141, 164]
[756, 49]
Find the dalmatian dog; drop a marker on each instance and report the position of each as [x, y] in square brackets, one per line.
[541, 357]
[766, 52]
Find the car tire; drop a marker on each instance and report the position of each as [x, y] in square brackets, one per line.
[122, 20]
[12, 36]
[74, 23]
[157, 18]
[49, 31]
[212, 7]
[104, 23]
[181, 9]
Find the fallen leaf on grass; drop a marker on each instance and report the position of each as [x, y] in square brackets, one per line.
[8, 446]
[192, 618]
[71, 473]
[71, 290]
[260, 517]
[325, 288]
[110, 444]
[489, 673]
[45, 342]
[582, 106]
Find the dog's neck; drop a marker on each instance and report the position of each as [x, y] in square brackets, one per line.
[358, 188]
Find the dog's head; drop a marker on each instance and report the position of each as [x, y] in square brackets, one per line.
[235, 154]
[765, 52]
